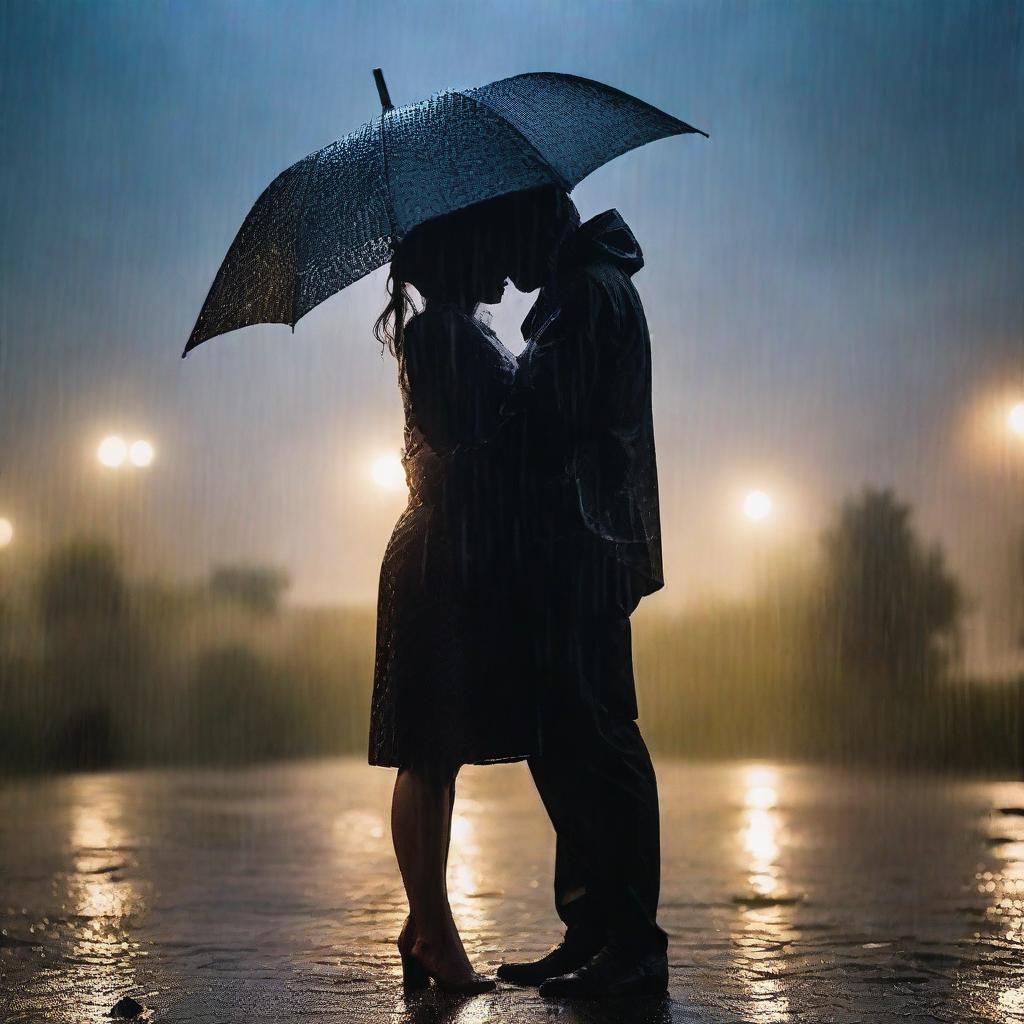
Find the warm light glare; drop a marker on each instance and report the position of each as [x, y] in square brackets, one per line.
[760, 832]
[762, 797]
[1015, 419]
[757, 506]
[462, 827]
[112, 451]
[6, 532]
[388, 472]
[140, 453]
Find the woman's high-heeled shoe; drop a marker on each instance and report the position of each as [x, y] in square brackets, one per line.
[416, 975]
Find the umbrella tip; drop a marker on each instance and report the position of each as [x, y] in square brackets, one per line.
[382, 89]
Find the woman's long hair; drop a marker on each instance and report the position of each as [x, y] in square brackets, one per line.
[389, 327]
[440, 259]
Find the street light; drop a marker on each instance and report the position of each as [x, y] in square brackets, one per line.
[388, 472]
[757, 506]
[140, 453]
[6, 532]
[1015, 419]
[112, 451]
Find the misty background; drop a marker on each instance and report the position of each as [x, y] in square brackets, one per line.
[834, 287]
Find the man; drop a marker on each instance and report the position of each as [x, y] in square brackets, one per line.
[583, 398]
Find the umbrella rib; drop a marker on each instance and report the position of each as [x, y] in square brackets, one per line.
[298, 235]
[387, 180]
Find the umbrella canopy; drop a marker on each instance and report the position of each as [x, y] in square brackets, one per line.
[337, 214]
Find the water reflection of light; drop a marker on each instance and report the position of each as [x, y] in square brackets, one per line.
[992, 986]
[762, 930]
[759, 841]
[476, 1011]
[759, 776]
[482, 1009]
[1004, 889]
[358, 832]
[97, 841]
[90, 829]
[761, 826]
[1004, 886]
[462, 828]
[1011, 1002]
[464, 878]
[761, 796]
[102, 891]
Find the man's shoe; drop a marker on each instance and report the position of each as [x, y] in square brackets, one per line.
[563, 959]
[612, 974]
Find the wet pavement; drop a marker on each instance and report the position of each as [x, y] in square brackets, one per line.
[791, 894]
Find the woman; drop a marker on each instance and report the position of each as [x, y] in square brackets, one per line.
[447, 690]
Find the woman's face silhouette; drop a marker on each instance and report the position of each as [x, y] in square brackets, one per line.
[459, 258]
[487, 275]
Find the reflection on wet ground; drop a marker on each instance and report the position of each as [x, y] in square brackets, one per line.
[791, 894]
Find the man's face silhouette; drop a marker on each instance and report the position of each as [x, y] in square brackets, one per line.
[538, 223]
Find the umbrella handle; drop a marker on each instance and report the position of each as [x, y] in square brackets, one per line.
[382, 89]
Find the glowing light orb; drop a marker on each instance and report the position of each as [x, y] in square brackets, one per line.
[112, 451]
[388, 472]
[757, 505]
[140, 453]
[6, 532]
[1015, 419]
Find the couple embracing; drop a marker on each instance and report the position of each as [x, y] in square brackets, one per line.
[531, 534]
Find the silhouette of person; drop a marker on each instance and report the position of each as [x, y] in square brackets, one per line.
[590, 502]
[442, 694]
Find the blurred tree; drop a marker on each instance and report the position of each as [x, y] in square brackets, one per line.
[93, 654]
[258, 588]
[237, 707]
[81, 583]
[892, 609]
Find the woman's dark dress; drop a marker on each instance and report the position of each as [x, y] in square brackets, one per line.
[448, 686]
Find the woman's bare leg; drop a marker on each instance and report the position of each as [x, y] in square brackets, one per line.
[421, 811]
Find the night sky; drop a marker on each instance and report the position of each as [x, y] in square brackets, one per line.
[834, 282]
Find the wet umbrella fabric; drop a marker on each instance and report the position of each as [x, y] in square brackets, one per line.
[335, 216]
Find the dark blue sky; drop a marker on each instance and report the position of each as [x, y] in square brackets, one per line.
[834, 280]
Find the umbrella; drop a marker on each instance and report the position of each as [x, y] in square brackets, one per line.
[336, 215]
